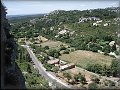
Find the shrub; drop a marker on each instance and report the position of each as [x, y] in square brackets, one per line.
[55, 69]
[96, 68]
[46, 47]
[92, 86]
[115, 67]
[106, 49]
[72, 50]
[95, 79]
[46, 57]
[41, 59]
[111, 83]
[48, 67]
[62, 48]
[117, 53]
[67, 75]
[66, 51]
[80, 78]
[54, 53]
[106, 71]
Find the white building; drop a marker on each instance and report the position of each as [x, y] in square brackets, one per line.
[51, 28]
[95, 24]
[106, 24]
[52, 62]
[63, 32]
[67, 66]
[82, 19]
[99, 21]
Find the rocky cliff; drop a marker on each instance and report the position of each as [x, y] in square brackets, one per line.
[11, 76]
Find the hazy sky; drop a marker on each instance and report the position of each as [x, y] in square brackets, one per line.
[17, 7]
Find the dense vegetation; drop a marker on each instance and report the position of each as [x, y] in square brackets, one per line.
[81, 36]
[85, 36]
[112, 70]
[32, 77]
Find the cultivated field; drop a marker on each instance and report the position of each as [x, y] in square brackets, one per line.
[52, 44]
[83, 58]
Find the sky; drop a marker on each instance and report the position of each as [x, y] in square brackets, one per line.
[25, 7]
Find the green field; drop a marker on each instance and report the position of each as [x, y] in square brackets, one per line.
[83, 58]
[53, 44]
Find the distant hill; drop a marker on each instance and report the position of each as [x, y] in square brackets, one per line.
[13, 17]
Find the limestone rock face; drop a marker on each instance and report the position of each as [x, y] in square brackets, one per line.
[11, 76]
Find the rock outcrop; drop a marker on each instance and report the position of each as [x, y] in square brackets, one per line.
[11, 76]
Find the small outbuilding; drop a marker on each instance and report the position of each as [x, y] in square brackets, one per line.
[67, 66]
[52, 62]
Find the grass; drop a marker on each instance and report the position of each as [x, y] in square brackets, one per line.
[83, 58]
[52, 44]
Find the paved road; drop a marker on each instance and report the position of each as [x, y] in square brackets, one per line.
[114, 79]
[52, 79]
